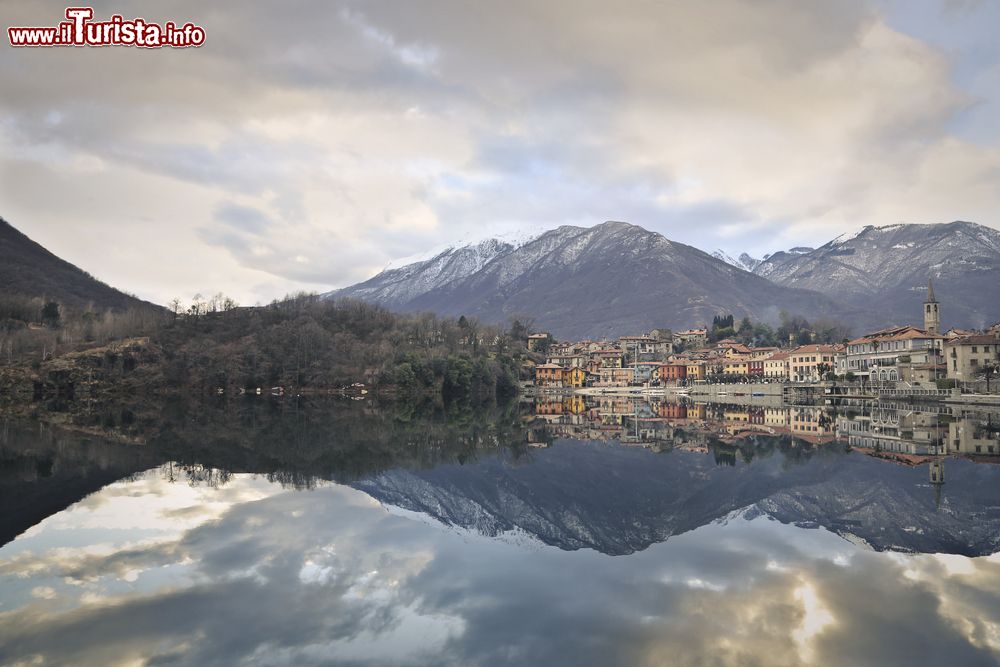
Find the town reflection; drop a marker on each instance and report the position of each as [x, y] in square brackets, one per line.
[904, 433]
[667, 423]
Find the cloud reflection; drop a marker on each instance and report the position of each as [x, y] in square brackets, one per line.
[272, 576]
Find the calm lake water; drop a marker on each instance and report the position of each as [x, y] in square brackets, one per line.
[557, 533]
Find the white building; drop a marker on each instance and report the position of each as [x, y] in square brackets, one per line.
[890, 355]
[899, 353]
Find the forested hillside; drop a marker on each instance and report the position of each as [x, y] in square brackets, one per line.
[309, 343]
[302, 344]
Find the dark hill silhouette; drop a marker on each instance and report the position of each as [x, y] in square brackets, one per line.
[29, 270]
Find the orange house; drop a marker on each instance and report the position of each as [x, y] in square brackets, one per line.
[673, 373]
[549, 375]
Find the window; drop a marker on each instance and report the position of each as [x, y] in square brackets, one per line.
[975, 349]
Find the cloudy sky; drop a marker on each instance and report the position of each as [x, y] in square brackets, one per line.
[307, 144]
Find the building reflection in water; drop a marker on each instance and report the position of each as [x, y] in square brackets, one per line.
[668, 424]
[903, 434]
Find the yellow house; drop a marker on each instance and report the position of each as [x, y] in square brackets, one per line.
[806, 362]
[608, 358]
[696, 371]
[776, 367]
[736, 367]
[575, 377]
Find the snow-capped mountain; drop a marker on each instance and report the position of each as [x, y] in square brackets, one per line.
[744, 261]
[619, 278]
[610, 279]
[395, 287]
[887, 268]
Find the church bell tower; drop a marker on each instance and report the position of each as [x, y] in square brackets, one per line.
[932, 314]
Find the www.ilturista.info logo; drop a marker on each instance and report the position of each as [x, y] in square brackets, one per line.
[80, 30]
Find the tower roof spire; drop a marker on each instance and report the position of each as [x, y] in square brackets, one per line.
[930, 292]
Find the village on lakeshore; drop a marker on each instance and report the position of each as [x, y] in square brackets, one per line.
[895, 361]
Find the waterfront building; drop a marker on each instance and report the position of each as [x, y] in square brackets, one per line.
[809, 363]
[968, 357]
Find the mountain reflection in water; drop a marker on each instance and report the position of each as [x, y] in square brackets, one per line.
[561, 532]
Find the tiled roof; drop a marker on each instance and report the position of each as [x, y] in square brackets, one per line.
[894, 333]
[978, 339]
[815, 347]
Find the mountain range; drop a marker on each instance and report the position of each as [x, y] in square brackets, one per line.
[618, 278]
[606, 280]
[885, 269]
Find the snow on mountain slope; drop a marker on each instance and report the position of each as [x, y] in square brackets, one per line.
[615, 278]
[396, 286]
[606, 280]
[888, 267]
[745, 261]
[879, 255]
[618, 278]
[406, 278]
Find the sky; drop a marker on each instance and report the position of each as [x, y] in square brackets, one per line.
[308, 144]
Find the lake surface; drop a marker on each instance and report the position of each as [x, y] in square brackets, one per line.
[564, 532]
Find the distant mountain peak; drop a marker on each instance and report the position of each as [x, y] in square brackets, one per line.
[618, 224]
[484, 246]
[920, 230]
[745, 261]
[882, 267]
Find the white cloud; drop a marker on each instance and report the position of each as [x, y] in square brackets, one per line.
[364, 132]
